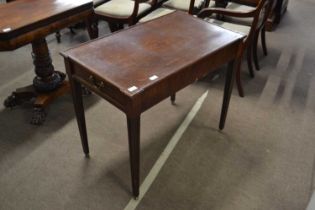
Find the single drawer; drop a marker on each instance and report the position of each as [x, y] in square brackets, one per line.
[101, 87]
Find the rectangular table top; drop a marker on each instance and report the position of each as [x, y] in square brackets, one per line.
[137, 58]
[21, 16]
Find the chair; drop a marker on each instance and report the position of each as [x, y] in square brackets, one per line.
[186, 5]
[120, 12]
[261, 29]
[257, 14]
[190, 6]
[166, 8]
[247, 6]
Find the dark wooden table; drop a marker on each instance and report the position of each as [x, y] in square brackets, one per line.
[30, 21]
[137, 68]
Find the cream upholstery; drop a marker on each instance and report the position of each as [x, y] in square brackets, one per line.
[212, 3]
[182, 4]
[241, 29]
[156, 13]
[240, 8]
[120, 8]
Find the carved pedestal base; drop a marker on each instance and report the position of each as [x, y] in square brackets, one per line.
[47, 85]
[40, 100]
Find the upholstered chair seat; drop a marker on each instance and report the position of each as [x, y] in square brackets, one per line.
[156, 14]
[211, 4]
[120, 8]
[183, 4]
[240, 8]
[238, 28]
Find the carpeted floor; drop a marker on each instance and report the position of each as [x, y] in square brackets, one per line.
[262, 160]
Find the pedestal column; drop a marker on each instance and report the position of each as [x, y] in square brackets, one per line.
[46, 79]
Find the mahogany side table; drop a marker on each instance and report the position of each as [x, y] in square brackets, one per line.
[138, 67]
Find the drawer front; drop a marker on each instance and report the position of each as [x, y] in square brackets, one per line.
[101, 87]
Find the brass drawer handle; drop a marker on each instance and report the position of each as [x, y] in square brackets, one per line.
[99, 85]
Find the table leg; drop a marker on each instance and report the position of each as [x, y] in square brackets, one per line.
[76, 90]
[58, 36]
[47, 85]
[229, 80]
[134, 152]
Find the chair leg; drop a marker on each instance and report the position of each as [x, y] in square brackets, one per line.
[92, 27]
[113, 27]
[71, 28]
[173, 98]
[249, 61]
[263, 40]
[255, 43]
[58, 36]
[120, 26]
[238, 79]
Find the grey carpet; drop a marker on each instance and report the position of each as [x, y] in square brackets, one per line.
[263, 159]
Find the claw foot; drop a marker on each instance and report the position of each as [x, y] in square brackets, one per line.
[11, 101]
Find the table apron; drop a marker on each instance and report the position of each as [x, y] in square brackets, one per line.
[190, 74]
[109, 92]
[150, 96]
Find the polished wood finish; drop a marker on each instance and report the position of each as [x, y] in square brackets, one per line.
[47, 16]
[229, 80]
[79, 110]
[119, 68]
[133, 124]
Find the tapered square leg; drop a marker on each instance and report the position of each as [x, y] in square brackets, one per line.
[76, 90]
[134, 152]
[229, 81]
